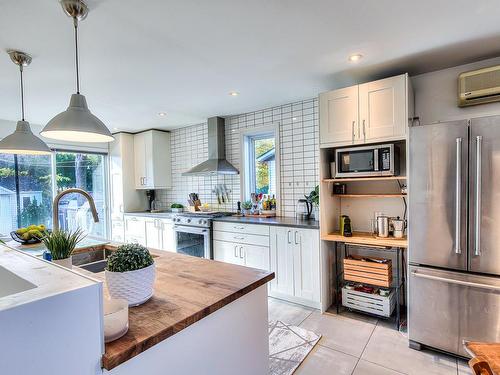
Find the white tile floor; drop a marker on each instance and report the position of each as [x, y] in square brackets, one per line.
[359, 345]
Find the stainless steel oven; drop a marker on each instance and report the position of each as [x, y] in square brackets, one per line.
[367, 161]
[192, 240]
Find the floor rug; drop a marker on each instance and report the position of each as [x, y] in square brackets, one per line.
[288, 347]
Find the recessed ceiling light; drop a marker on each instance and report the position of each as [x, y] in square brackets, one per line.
[355, 57]
[115, 128]
[234, 93]
[294, 118]
[162, 114]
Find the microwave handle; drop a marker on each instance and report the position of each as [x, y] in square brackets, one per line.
[375, 159]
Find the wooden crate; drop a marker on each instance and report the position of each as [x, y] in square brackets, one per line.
[379, 274]
[370, 303]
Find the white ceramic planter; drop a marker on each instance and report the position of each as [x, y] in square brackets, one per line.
[67, 262]
[134, 286]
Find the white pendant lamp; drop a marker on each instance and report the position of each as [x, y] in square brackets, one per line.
[22, 141]
[77, 123]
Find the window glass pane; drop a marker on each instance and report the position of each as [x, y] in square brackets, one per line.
[265, 179]
[35, 190]
[84, 171]
[8, 199]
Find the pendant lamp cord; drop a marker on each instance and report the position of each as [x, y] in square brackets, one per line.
[22, 92]
[75, 23]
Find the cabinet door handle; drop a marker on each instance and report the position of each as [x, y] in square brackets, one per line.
[364, 130]
[353, 132]
[239, 238]
[240, 228]
[235, 251]
[295, 238]
[241, 252]
[288, 236]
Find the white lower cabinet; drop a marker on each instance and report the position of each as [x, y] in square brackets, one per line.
[153, 234]
[168, 235]
[255, 256]
[228, 252]
[295, 262]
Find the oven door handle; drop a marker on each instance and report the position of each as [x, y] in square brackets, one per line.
[186, 229]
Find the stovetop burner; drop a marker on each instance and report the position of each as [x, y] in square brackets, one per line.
[206, 215]
[201, 219]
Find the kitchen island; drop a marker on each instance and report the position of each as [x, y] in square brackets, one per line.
[204, 317]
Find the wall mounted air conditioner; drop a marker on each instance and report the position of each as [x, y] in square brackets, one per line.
[479, 86]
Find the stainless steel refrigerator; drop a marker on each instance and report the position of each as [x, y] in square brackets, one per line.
[454, 234]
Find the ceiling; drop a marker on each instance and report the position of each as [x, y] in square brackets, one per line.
[183, 57]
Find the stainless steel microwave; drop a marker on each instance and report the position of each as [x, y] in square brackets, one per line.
[367, 161]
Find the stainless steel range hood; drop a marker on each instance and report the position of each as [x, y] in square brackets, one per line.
[216, 163]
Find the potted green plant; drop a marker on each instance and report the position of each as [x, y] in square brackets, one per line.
[130, 274]
[246, 207]
[313, 197]
[176, 207]
[61, 245]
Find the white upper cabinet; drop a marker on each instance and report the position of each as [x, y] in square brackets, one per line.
[382, 109]
[339, 116]
[376, 111]
[152, 160]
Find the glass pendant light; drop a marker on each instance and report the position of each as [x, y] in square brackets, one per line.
[77, 123]
[22, 141]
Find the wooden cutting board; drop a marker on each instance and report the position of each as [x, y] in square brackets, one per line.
[484, 353]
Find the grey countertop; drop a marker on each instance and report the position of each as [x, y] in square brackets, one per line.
[163, 214]
[278, 220]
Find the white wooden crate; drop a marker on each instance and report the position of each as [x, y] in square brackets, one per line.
[371, 303]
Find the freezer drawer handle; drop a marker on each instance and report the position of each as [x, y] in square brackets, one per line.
[458, 199]
[477, 240]
[459, 282]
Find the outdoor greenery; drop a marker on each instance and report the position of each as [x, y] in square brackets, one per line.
[61, 243]
[35, 175]
[262, 170]
[129, 257]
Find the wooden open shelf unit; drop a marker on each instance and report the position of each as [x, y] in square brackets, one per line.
[370, 195]
[367, 239]
[354, 179]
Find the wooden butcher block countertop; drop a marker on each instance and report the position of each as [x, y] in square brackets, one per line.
[187, 289]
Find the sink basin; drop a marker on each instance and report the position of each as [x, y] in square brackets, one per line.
[95, 267]
[10, 283]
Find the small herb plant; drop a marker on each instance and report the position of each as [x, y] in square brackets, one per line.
[176, 205]
[247, 205]
[129, 257]
[61, 243]
[313, 196]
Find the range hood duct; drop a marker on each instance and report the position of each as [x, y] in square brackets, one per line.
[216, 163]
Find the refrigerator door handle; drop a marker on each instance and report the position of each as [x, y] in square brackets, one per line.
[455, 281]
[458, 198]
[477, 223]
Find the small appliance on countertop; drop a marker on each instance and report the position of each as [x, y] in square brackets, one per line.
[345, 226]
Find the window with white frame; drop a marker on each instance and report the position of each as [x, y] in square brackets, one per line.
[28, 184]
[260, 161]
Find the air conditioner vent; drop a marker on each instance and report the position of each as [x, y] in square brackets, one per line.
[479, 86]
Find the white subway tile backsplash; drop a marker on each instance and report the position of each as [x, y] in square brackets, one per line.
[299, 146]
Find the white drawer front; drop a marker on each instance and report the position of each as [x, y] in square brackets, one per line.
[241, 238]
[262, 230]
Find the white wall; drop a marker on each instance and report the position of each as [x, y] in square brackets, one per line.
[299, 152]
[7, 127]
[436, 95]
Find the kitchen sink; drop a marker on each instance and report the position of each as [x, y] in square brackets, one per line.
[10, 283]
[95, 267]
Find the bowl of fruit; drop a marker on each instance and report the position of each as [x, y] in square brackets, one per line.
[30, 235]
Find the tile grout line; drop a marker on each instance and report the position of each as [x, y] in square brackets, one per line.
[364, 348]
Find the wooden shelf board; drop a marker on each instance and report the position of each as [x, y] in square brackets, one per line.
[364, 238]
[354, 179]
[370, 195]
